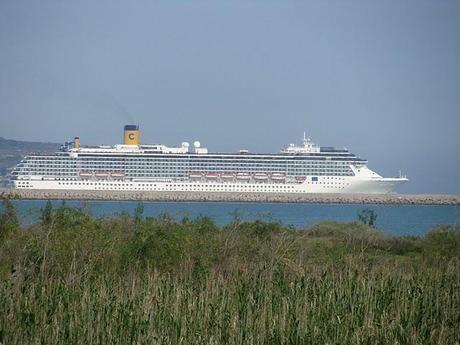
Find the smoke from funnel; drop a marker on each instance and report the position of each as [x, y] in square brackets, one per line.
[120, 110]
[106, 105]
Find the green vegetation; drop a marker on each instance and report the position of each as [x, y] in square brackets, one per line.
[74, 279]
[368, 217]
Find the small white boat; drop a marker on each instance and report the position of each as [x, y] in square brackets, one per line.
[212, 175]
[117, 174]
[243, 176]
[196, 175]
[86, 174]
[260, 176]
[227, 176]
[101, 174]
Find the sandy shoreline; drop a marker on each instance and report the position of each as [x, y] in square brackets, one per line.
[427, 199]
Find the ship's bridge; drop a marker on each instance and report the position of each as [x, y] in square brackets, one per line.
[308, 147]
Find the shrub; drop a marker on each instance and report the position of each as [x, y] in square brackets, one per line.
[443, 241]
[160, 243]
[367, 217]
[9, 221]
[46, 215]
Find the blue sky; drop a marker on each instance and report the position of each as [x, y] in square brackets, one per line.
[379, 77]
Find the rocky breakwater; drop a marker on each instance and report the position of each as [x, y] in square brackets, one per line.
[429, 199]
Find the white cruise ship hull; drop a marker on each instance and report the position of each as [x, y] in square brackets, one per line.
[324, 185]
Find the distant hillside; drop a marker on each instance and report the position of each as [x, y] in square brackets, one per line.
[12, 151]
[27, 146]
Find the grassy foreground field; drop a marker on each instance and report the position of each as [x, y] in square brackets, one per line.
[74, 279]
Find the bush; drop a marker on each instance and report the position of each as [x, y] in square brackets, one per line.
[258, 228]
[367, 217]
[9, 221]
[443, 241]
[46, 215]
[158, 242]
[69, 237]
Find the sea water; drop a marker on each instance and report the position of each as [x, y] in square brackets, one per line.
[395, 219]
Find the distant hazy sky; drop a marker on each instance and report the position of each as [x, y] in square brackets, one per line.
[379, 77]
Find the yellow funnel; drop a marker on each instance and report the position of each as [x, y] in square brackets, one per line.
[76, 142]
[131, 135]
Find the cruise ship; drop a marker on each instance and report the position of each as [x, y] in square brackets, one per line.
[132, 166]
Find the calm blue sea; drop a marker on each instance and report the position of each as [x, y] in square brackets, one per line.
[395, 219]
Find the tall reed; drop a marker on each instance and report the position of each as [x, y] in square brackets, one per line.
[74, 279]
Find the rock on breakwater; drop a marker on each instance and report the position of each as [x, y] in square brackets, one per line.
[428, 199]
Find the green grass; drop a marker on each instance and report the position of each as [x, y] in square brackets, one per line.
[74, 279]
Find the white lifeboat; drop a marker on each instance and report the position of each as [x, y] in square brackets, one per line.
[212, 175]
[195, 175]
[227, 176]
[260, 176]
[300, 178]
[101, 174]
[243, 176]
[278, 177]
[86, 174]
[117, 174]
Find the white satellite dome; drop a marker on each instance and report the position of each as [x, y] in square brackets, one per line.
[185, 144]
[196, 144]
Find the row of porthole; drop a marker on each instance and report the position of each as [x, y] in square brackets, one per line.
[94, 184]
[174, 185]
[277, 187]
[220, 185]
[332, 183]
[198, 190]
[192, 188]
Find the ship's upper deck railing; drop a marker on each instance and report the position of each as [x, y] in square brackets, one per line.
[329, 149]
[309, 148]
